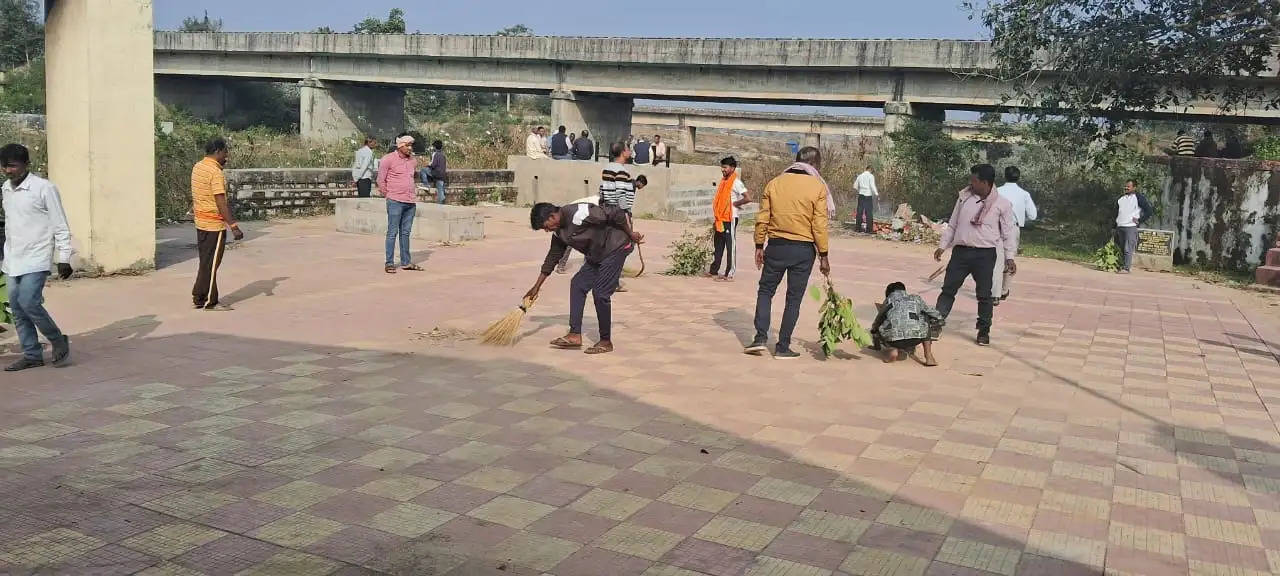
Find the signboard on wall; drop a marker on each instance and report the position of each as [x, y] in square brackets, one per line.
[1155, 250]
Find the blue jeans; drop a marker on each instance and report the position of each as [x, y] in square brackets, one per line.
[399, 222]
[440, 191]
[26, 300]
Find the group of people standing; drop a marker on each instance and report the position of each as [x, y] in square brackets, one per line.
[565, 145]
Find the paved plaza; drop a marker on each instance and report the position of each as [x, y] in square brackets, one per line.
[343, 420]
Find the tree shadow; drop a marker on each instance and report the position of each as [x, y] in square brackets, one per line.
[255, 288]
[211, 431]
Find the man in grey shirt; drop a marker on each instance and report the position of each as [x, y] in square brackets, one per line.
[362, 168]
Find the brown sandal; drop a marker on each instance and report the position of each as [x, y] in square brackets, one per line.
[564, 344]
[412, 268]
[390, 269]
[599, 349]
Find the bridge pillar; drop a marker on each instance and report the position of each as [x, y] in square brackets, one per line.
[607, 117]
[897, 113]
[688, 136]
[204, 98]
[332, 111]
[101, 128]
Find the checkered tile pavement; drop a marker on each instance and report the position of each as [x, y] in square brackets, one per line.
[1109, 430]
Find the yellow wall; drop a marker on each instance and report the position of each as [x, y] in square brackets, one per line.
[101, 124]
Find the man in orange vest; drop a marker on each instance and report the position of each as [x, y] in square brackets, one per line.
[731, 194]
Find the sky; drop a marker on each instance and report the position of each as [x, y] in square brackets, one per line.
[651, 18]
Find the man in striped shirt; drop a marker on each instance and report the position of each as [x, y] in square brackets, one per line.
[616, 186]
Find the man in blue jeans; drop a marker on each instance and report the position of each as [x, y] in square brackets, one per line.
[36, 233]
[395, 181]
[438, 170]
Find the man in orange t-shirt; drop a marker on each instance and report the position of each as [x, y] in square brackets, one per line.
[213, 216]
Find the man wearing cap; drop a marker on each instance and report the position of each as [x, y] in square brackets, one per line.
[396, 174]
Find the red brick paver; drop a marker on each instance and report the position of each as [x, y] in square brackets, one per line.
[340, 421]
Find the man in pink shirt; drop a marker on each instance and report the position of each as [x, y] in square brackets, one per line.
[396, 173]
[981, 221]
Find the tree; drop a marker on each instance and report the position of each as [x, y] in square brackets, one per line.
[21, 33]
[24, 89]
[1112, 57]
[394, 24]
[324, 30]
[517, 30]
[205, 24]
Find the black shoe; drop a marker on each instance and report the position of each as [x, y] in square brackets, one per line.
[756, 347]
[24, 364]
[984, 339]
[785, 354]
[61, 351]
[1004, 296]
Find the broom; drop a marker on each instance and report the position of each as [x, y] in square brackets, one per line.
[937, 273]
[632, 272]
[504, 331]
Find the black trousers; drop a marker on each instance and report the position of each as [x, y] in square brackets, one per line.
[866, 209]
[795, 259]
[966, 261]
[725, 242]
[210, 246]
[601, 280]
[363, 186]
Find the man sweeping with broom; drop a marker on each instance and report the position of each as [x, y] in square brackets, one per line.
[604, 236]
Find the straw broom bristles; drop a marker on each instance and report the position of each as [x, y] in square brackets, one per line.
[505, 331]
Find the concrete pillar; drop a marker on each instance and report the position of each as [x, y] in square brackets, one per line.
[688, 137]
[204, 98]
[896, 115]
[607, 117]
[101, 127]
[332, 110]
[814, 136]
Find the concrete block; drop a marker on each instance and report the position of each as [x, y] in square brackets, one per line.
[432, 222]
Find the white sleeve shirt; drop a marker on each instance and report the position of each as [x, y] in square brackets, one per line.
[1024, 209]
[36, 233]
[866, 184]
[736, 194]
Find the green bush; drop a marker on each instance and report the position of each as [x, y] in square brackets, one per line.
[1107, 258]
[928, 168]
[690, 253]
[1267, 148]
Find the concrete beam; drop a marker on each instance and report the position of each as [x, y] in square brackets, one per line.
[829, 125]
[101, 128]
[332, 111]
[942, 73]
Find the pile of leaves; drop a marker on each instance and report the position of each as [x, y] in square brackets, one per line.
[836, 321]
[1107, 258]
[690, 254]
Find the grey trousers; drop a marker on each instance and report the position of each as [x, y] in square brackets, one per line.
[1127, 241]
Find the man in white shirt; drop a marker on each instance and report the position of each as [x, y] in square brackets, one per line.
[362, 168]
[865, 184]
[659, 150]
[35, 234]
[1132, 209]
[1024, 210]
[534, 147]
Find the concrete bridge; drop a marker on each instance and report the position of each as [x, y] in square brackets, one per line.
[354, 82]
[687, 121]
